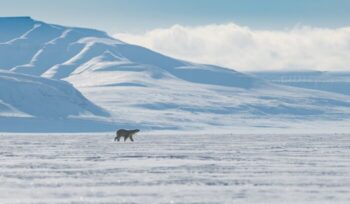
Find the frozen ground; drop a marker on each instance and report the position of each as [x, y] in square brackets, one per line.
[175, 169]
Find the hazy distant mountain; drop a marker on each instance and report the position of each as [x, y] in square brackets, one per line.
[337, 82]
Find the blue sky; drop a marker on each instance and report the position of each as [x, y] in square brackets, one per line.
[140, 15]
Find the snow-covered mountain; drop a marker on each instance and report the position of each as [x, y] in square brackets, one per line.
[57, 52]
[139, 87]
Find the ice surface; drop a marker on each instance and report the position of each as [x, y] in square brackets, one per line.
[175, 169]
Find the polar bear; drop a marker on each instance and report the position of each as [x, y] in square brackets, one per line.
[126, 134]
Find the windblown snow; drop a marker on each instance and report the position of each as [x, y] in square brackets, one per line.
[119, 84]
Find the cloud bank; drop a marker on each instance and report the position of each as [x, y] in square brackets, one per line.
[246, 49]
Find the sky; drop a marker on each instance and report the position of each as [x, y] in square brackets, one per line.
[240, 34]
[137, 16]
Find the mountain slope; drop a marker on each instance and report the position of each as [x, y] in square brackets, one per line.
[145, 89]
[30, 99]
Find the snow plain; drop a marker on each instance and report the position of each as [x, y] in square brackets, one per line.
[179, 168]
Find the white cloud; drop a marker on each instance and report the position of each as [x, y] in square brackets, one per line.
[244, 49]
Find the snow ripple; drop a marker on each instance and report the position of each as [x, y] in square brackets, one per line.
[175, 169]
